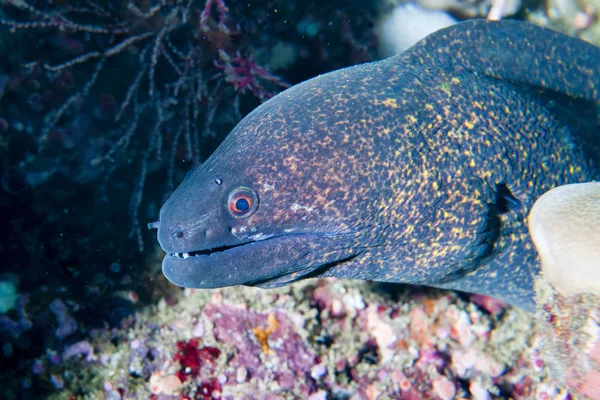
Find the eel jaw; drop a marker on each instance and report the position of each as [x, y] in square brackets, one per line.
[207, 252]
[242, 264]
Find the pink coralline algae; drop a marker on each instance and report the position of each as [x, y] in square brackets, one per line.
[292, 357]
[442, 343]
[165, 384]
[323, 340]
[489, 304]
[444, 388]
[571, 330]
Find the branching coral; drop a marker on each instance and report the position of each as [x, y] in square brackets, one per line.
[184, 54]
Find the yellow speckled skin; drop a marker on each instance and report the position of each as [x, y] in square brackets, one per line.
[420, 168]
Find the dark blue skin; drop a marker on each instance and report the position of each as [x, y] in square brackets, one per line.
[420, 168]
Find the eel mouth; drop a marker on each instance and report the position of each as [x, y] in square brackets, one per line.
[240, 264]
[207, 252]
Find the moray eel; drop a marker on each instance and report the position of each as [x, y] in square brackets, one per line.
[420, 168]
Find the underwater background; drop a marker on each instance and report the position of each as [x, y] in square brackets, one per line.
[104, 108]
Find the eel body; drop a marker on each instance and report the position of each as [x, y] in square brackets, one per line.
[420, 168]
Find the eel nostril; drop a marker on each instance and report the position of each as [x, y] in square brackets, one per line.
[177, 233]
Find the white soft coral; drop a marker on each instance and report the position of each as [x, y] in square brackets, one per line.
[406, 24]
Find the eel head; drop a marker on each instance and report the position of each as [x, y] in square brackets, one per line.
[270, 206]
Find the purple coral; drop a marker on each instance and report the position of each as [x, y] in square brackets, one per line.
[81, 348]
[244, 74]
[295, 356]
[66, 324]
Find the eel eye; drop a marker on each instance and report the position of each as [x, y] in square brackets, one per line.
[242, 202]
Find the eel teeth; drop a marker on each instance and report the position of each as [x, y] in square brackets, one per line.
[181, 255]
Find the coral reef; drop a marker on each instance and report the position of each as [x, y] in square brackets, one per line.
[316, 339]
[578, 18]
[571, 338]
